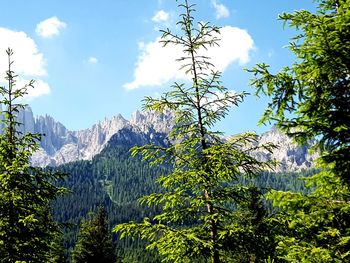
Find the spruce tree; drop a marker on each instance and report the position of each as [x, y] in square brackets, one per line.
[202, 200]
[94, 243]
[26, 224]
[310, 100]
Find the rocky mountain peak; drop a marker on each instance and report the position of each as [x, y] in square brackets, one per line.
[148, 120]
[289, 155]
[60, 145]
[27, 119]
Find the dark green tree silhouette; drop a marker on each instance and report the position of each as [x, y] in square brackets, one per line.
[26, 224]
[202, 198]
[311, 100]
[94, 243]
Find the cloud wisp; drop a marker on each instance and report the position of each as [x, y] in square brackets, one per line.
[93, 60]
[220, 10]
[161, 16]
[50, 27]
[157, 65]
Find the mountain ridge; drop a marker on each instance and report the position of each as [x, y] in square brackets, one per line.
[60, 145]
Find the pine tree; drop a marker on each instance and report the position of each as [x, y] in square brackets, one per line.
[94, 243]
[203, 199]
[26, 224]
[311, 100]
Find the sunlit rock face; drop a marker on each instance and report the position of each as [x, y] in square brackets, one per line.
[289, 155]
[60, 145]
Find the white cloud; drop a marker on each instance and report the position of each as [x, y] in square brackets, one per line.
[50, 27]
[28, 61]
[157, 64]
[220, 9]
[40, 88]
[161, 16]
[235, 46]
[93, 60]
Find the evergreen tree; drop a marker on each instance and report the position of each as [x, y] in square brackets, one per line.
[26, 225]
[203, 200]
[94, 243]
[311, 100]
[57, 251]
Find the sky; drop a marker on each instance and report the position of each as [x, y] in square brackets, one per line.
[92, 60]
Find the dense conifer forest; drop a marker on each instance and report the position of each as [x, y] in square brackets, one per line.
[90, 183]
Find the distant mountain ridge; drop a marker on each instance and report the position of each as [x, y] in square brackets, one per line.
[60, 145]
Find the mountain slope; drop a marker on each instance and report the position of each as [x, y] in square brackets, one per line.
[118, 180]
[113, 178]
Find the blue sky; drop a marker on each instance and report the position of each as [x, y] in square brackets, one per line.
[95, 59]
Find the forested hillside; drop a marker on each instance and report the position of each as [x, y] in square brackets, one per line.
[112, 178]
[117, 180]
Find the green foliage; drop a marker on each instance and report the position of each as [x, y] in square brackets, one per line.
[26, 224]
[129, 179]
[314, 227]
[57, 251]
[202, 202]
[112, 178]
[94, 243]
[316, 88]
[310, 100]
